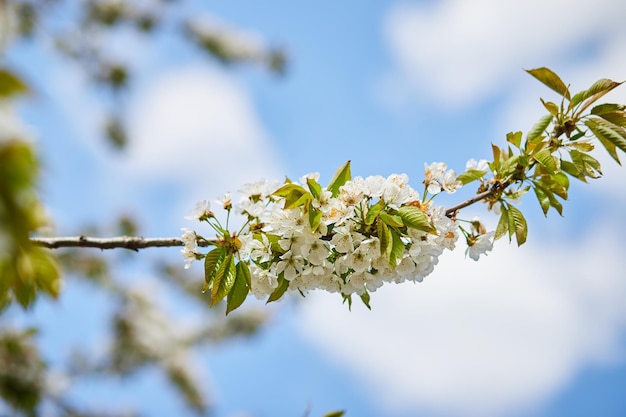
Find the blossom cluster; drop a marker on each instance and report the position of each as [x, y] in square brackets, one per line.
[350, 237]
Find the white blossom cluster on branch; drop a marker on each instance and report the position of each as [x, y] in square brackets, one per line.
[350, 237]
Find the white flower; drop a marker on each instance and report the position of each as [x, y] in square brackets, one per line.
[351, 193]
[449, 182]
[190, 252]
[258, 190]
[290, 264]
[481, 165]
[342, 242]
[225, 201]
[315, 176]
[189, 238]
[434, 172]
[479, 245]
[201, 211]
[373, 186]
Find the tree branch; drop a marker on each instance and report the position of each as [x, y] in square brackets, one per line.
[135, 243]
[450, 212]
[125, 242]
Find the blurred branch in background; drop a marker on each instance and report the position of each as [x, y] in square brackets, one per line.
[141, 333]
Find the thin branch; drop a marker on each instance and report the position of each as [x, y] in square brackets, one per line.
[450, 212]
[135, 243]
[125, 242]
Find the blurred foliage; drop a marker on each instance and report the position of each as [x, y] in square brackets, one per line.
[86, 41]
[25, 269]
[142, 334]
[22, 371]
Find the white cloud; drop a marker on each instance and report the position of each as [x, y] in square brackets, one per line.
[195, 128]
[486, 338]
[197, 124]
[459, 50]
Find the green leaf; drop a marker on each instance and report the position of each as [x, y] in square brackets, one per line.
[365, 297]
[241, 288]
[503, 223]
[609, 131]
[551, 107]
[11, 85]
[550, 79]
[373, 212]
[470, 175]
[348, 298]
[415, 218]
[294, 194]
[595, 92]
[586, 164]
[618, 118]
[607, 108]
[571, 169]
[397, 250]
[546, 160]
[519, 222]
[282, 287]
[514, 138]
[543, 192]
[539, 128]
[315, 218]
[581, 146]
[337, 413]
[391, 219]
[314, 187]
[342, 175]
[385, 238]
[212, 262]
[544, 200]
[224, 279]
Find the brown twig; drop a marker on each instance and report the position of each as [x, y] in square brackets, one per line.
[125, 242]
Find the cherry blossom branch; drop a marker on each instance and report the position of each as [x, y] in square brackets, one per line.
[451, 212]
[124, 242]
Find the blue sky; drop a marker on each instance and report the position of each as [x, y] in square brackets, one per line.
[533, 331]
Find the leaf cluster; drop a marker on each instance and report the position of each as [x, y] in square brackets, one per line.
[558, 147]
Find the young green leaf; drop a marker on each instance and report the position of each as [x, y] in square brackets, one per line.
[224, 279]
[315, 218]
[337, 413]
[550, 106]
[571, 169]
[294, 194]
[10, 85]
[397, 250]
[314, 187]
[470, 175]
[415, 218]
[586, 164]
[608, 131]
[342, 175]
[544, 200]
[385, 238]
[594, 93]
[519, 222]
[373, 212]
[514, 138]
[503, 223]
[539, 128]
[241, 287]
[212, 262]
[365, 297]
[550, 79]
[546, 160]
[282, 287]
[391, 219]
[348, 298]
